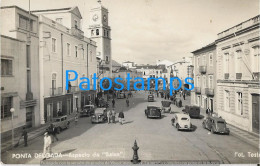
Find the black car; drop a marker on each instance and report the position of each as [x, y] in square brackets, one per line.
[215, 125]
[153, 112]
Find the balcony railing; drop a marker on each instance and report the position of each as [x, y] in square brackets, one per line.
[197, 90]
[73, 89]
[55, 91]
[209, 91]
[226, 76]
[238, 76]
[77, 32]
[203, 69]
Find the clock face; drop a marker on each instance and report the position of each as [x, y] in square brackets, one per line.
[105, 18]
[95, 17]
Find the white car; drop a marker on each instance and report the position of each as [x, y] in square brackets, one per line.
[181, 121]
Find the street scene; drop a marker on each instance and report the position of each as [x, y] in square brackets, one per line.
[130, 82]
[157, 139]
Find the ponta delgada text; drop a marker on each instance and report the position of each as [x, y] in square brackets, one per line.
[138, 80]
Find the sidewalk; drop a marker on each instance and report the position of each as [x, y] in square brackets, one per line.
[31, 135]
[248, 137]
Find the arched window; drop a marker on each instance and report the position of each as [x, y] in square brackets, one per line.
[53, 82]
[97, 32]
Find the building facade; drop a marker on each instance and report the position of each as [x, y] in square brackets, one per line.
[203, 94]
[63, 47]
[19, 70]
[238, 72]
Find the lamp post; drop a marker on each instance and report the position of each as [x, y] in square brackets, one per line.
[12, 110]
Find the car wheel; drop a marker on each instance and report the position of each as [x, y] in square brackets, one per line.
[58, 130]
[211, 130]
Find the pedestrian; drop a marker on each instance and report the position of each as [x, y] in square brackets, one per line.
[59, 112]
[165, 96]
[53, 131]
[113, 102]
[183, 96]
[25, 136]
[207, 111]
[121, 117]
[127, 102]
[168, 96]
[109, 116]
[113, 116]
[180, 92]
[76, 118]
[157, 93]
[46, 145]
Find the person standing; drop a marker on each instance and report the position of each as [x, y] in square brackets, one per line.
[76, 118]
[121, 117]
[127, 102]
[113, 116]
[183, 96]
[46, 145]
[180, 92]
[109, 116]
[25, 136]
[207, 111]
[113, 102]
[53, 132]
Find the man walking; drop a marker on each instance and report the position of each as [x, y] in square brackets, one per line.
[53, 132]
[113, 116]
[25, 136]
[47, 145]
[183, 96]
[113, 102]
[207, 111]
[121, 117]
[127, 102]
[109, 116]
[76, 118]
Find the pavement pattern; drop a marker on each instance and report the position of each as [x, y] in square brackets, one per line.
[157, 140]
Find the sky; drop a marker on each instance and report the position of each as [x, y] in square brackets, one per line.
[144, 31]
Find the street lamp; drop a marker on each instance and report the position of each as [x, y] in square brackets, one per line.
[12, 110]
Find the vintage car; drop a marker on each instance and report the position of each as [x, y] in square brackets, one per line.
[87, 110]
[102, 103]
[100, 115]
[193, 111]
[150, 97]
[153, 112]
[61, 123]
[181, 121]
[166, 106]
[215, 125]
[121, 95]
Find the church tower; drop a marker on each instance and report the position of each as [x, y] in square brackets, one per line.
[100, 32]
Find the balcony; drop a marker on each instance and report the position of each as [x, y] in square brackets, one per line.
[238, 76]
[226, 76]
[197, 90]
[77, 32]
[209, 91]
[203, 69]
[55, 91]
[73, 89]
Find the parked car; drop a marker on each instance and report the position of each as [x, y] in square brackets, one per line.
[166, 106]
[99, 116]
[121, 95]
[150, 98]
[61, 123]
[87, 110]
[215, 125]
[181, 121]
[102, 103]
[153, 112]
[193, 111]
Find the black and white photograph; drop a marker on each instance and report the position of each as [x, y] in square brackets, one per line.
[123, 82]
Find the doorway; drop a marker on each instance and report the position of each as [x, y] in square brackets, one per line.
[255, 112]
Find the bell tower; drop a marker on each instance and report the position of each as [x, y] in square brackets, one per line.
[99, 30]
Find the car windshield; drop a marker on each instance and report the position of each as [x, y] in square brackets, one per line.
[184, 119]
[57, 120]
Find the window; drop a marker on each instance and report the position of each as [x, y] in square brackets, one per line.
[211, 81]
[76, 51]
[6, 67]
[238, 59]
[198, 61]
[68, 49]
[76, 24]
[104, 32]
[83, 56]
[54, 45]
[107, 34]
[198, 81]
[226, 62]
[107, 58]
[92, 32]
[53, 82]
[255, 59]
[97, 32]
[227, 100]
[204, 60]
[204, 82]
[6, 105]
[239, 103]
[59, 20]
[24, 23]
[59, 106]
[211, 59]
